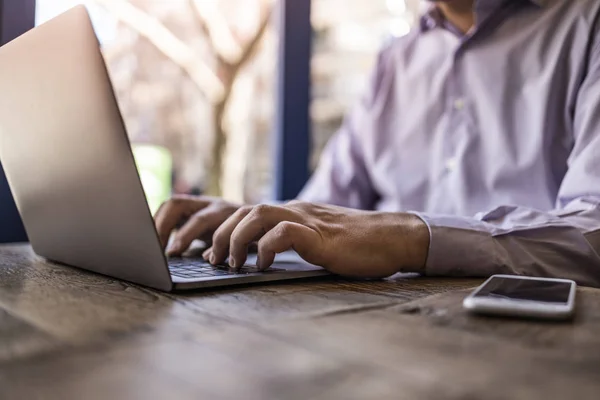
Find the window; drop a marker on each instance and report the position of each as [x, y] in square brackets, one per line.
[195, 80]
[347, 36]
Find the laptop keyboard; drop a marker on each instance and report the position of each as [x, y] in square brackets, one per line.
[193, 268]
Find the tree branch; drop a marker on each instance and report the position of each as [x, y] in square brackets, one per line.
[251, 46]
[214, 23]
[167, 43]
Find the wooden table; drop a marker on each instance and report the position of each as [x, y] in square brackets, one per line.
[69, 334]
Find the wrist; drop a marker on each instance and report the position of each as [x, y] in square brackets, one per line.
[414, 243]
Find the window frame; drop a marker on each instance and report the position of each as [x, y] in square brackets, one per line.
[292, 120]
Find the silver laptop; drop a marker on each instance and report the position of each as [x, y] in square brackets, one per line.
[69, 165]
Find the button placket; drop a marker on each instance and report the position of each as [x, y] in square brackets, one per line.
[457, 104]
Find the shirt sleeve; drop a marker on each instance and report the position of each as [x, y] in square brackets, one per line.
[342, 177]
[564, 242]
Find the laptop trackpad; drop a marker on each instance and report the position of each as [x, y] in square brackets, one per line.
[289, 260]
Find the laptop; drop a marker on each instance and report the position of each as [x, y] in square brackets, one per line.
[71, 170]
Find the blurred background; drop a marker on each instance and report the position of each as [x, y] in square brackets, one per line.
[197, 81]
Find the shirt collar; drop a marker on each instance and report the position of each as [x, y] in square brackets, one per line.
[433, 18]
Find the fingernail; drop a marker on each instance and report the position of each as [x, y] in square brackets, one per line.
[174, 247]
[213, 259]
[206, 254]
[259, 264]
[232, 262]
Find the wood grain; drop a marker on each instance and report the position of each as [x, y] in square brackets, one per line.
[69, 334]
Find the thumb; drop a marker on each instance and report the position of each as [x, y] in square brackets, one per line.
[285, 236]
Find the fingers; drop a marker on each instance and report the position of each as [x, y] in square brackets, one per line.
[220, 248]
[252, 227]
[207, 255]
[201, 223]
[285, 236]
[172, 212]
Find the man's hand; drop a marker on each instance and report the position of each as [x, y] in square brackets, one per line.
[198, 216]
[347, 242]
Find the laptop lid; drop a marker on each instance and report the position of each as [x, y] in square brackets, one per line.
[67, 157]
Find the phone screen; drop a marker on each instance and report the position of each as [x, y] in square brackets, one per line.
[526, 289]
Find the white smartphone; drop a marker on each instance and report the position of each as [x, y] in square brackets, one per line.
[521, 296]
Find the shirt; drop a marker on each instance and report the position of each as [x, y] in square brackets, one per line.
[492, 138]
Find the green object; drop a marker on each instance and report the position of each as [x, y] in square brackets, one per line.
[155, 166]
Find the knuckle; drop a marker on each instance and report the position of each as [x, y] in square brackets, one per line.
[177, 200]
[215, 202]
[298, 205]
[232, 206]
[186, 199]
[197, 218]
[261, 210]
[284, 229]
[244, 210]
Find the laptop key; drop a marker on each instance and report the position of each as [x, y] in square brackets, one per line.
[197, 268]
[218, 272]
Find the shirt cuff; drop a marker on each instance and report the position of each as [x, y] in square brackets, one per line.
[457, 247]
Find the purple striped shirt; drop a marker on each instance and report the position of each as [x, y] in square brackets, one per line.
[492, 138]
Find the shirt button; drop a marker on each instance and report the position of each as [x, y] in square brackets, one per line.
[451, 164]
[459, 104]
